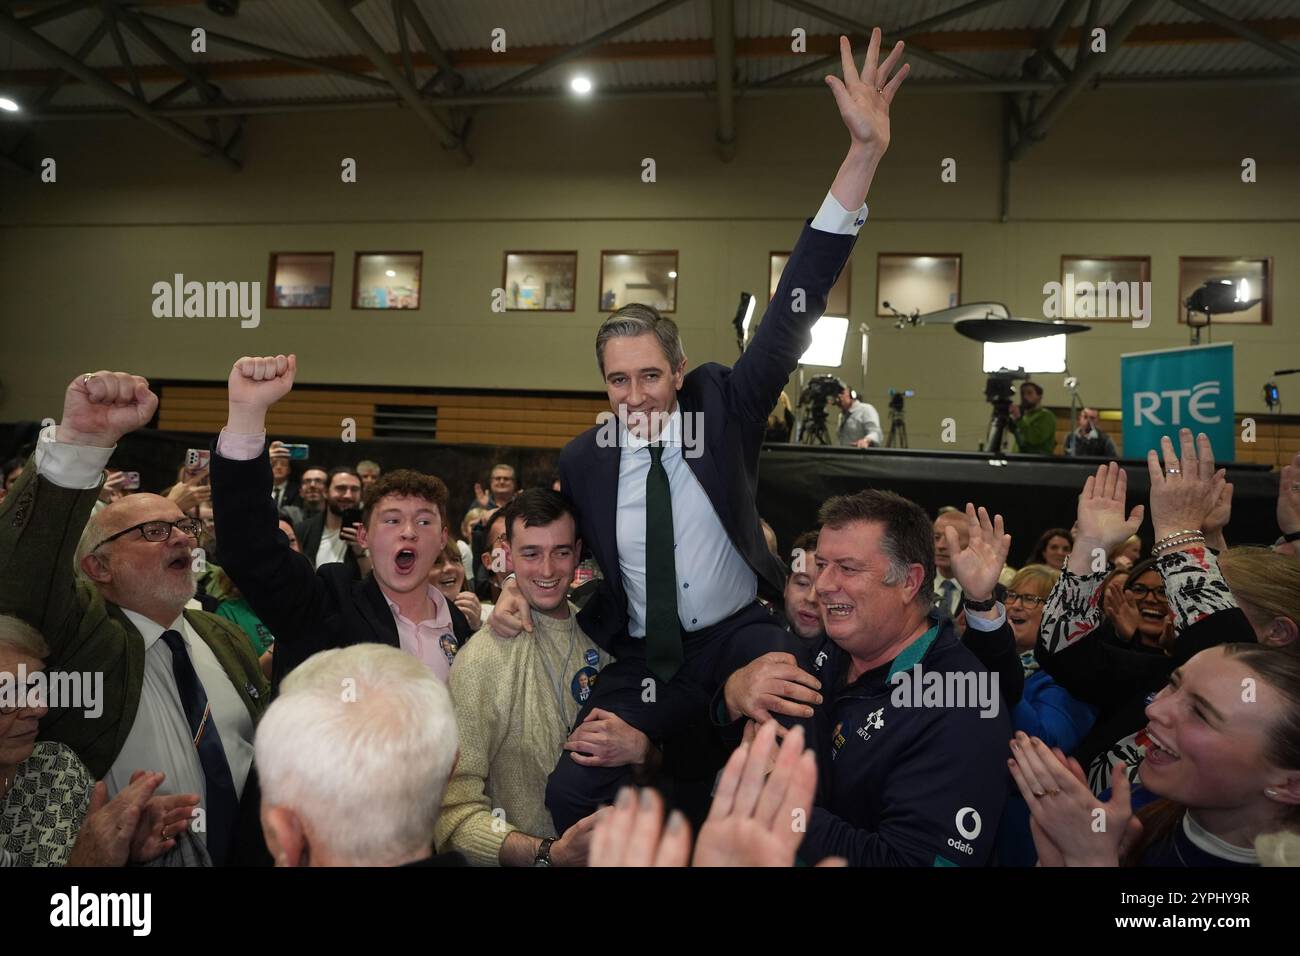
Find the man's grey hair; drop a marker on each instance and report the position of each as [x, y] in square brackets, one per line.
[92, 535]
[17, 635]
[360, 744]
[637, 319]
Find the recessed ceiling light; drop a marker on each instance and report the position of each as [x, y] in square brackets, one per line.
[8, 105]
[580, 84]
[390, 273]
[672, 275]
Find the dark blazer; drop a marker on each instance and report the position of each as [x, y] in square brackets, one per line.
[308, 610]
[735, 403]
[310, 531]
[292, 495]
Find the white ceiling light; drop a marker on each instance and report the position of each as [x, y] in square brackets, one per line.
[8, 105]
[390, 273]
[580, 85]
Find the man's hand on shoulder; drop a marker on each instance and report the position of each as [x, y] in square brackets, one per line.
[101, 407]
[511, 614]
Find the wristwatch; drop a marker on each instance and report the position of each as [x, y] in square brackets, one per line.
[988, 605]
[543, 857]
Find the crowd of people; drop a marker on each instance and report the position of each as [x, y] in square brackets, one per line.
[254, 667]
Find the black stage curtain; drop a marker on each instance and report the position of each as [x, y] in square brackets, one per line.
[1031, 493]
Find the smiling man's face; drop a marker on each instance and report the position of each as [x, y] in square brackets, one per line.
[544, 559]
[639, 381]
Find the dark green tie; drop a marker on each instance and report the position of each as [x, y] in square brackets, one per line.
[663, 633]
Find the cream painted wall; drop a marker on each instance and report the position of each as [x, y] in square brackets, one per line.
[1124, 172]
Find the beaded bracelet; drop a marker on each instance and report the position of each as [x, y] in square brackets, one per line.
[1167, 545]
[1176, 534]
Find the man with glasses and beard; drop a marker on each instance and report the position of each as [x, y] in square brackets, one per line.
[170, 675]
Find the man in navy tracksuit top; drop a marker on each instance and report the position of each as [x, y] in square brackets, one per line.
[912, 733]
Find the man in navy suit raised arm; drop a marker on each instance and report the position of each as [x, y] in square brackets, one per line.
[665, 490]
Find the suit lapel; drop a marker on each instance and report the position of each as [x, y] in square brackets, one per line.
[374, 608]
[603, 496]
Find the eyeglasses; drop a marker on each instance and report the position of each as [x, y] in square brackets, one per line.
[158, 530]
[1141, 591]
[1028, 600]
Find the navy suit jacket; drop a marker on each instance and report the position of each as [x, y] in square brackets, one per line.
[734, 403]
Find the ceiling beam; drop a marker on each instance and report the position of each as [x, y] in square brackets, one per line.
[83, 51]
[1290, 54]
[342, 16]
[916, 49]
[403, 44]
[52, 54]
[55, 12]
[590, 43]
[1082, 74]
[326, 65]
[692, 91]
[724, 62]
[123, 56]
[1046, 50]
[353, 67]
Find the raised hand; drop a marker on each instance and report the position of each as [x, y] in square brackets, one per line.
[1121, 607]
[471, 607]
[756, 820]
[977, 566]
[864, 98]
[1288, 497]
[101, 407]
[632, 833]
[1189, 488]
[256, 383]
[1218, 518]
[1101, 518]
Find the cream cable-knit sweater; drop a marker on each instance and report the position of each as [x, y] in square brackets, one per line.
[513, 722]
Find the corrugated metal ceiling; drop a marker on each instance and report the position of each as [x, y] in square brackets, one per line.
[300, 27]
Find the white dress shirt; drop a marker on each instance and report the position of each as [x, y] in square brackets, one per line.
[332, 548]
[713, 580]
[160, 738]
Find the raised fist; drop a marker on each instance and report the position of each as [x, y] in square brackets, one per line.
[260, 381]
[101, 407]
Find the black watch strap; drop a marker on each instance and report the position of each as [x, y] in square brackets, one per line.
[543, 857]
[988, 605]
[1291, 536]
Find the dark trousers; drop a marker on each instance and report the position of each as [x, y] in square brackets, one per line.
[661, 711]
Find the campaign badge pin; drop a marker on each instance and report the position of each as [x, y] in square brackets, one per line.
[593, 657]
[582, 683]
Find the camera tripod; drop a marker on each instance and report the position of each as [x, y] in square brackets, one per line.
[897, 429]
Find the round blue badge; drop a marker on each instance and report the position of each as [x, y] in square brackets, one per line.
[593, 657]
[582, 683]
